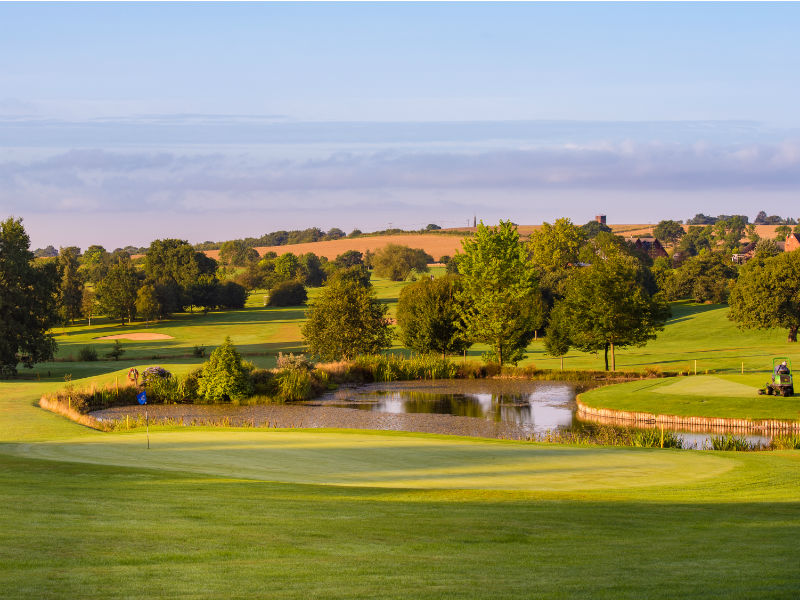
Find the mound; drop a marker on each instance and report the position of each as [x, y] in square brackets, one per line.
[136, 337]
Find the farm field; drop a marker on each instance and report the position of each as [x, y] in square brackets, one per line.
[343, 514]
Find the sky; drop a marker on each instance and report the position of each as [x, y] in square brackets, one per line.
[125, 122]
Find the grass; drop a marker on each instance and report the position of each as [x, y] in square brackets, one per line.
[245, 513]
[725, 396]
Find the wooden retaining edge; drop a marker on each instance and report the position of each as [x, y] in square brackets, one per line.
[643, 418]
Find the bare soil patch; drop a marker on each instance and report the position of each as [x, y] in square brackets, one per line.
[137, 337]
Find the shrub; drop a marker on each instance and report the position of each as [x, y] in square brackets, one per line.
[288, 293]
[231, 295]
[199, 351]
[87, 354]
[732, 442]
[116, 350]
[293, 384]
[224, 377]
[290, 361]
[151, 374]
[789, 441]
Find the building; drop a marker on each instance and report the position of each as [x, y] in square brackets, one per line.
[649, 245]
[792, 242]
[600, 219]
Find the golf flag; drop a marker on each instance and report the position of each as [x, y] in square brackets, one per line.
[142, 397]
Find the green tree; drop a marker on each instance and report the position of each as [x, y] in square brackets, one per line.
[503, 306]
[172, 260]
[707, 276]
[607, 306]
[203, 292]
[592, 228]
[349, 259]
[287, 266]
[237, 253]
[346, 320]
[782, 231]
[116, 293]
[311, 266]
[668, 232]
[767, 294]
[288, 293]
[147, 305]
[697, 239]
[430, 316]
[224, 377]
[96, 261]
[554, 247]
[88, 304]
[396, 262]
[231, 295]
[28, 301]
[70, 289]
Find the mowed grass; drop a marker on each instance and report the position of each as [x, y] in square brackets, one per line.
[725, 396]
[242, 513]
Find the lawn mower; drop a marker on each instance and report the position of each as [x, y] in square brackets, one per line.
[781, 384]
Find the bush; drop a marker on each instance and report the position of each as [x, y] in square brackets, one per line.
[231, 295]
[293, 384]
[199, 351]
[224, 377]
[288, 293]
[290, 361]
[116, 350]
[87, 354]
[151, 374]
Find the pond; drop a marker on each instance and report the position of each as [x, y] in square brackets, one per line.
[499, 408]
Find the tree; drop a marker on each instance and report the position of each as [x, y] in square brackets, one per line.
[147, 304]
[88, 304]
[203, 292]
[224, 377]
[172, 260]
[767, 294]
[503, 306]
[116, 293]
[782, 232]
[592, 228]
[231, 295]
[430, 316]
[357, 274]
[668, 232]
[311, 266]
[237, 253]
[70, 289]
[96, 261]
[28, 301]
[607, 307]
[707, 276]
[346, 320]
[288, 293]
[396, 262]
[335, 234]
[287, 266]
[349, 259]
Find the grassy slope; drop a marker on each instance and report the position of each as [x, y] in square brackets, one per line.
[348, 515]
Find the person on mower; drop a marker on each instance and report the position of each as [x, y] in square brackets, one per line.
[781, 368]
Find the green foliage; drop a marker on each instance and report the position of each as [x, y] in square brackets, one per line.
[767, 294]
[346, 320]
[429, 313]
[70, 289]
[705, 277]
[293, 384]
[349, 259]
[288, 293]
[668, 231]
[237, 253]
[592, 228]
[28, 301]
[357, 274]
[697, 239]
[231, 295]
[503, 305]
[607, 307]
[554, 247]
[116, 294]
[116, 350]
[782, 231]
[396, 262]
[389, 367]
[287, 266]
[312, 269]
[203, 292]
[88, 303]
[147, 304]
[224, 376]
[87, 354]
[730, 441]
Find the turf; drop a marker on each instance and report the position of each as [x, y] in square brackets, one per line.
[305, 514]
[725, 396]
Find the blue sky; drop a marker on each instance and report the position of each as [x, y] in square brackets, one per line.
[120, 123]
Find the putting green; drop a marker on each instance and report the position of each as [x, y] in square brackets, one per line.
[707, 385]
[387, 461]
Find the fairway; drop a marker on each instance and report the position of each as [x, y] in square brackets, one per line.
[393, 461]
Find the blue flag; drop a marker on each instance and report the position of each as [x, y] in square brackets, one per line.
[142, 397]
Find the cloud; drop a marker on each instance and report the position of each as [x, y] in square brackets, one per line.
[104, 180]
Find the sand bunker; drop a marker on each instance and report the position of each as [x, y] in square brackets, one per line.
[136, 336]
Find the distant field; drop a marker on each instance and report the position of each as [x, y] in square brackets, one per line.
[438, 245]
[435, 245]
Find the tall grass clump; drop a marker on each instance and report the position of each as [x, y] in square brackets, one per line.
[87, 354]
[729, 441]
[389, 367]
[789, 441]
[593, 434]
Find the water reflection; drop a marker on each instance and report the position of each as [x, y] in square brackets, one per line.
[537, 407]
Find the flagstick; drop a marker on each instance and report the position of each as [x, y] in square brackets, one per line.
[147, 426]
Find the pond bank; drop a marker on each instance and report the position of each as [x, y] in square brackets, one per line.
[313, 417]
[609, 416]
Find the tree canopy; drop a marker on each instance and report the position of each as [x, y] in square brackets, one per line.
[28, 301]
[502, 303]
[396, 262]
[430, 315]
[607, 306]
[346, 320]
[668, 231]
[767, 294]
[224, 376]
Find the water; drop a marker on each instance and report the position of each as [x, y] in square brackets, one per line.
[534, 407]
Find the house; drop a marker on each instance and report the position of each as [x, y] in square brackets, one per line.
[746, 254]
[792, 242]
[649, 245]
